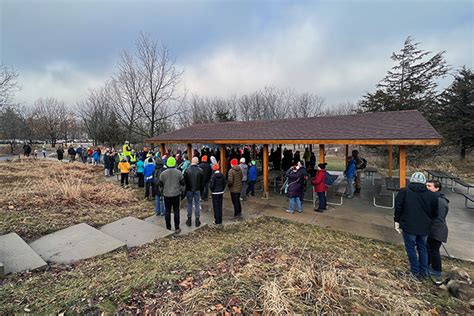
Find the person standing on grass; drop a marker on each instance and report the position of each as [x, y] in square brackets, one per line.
[235, 187]
[124, 168]
[194, 179]
[207, 173]
[107, 163]
[60, 153]
[171, 181]
[148, 173]
[320, 186]
[96, 156]
[251, 178]
[415, 209]
[43, 150]
[439, 229]
[71, 153]
[217, 187]
[295, 187]
[159, 206]
[350, 174]
[140, 170]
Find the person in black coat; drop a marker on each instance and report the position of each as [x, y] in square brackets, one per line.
[206, 174]
[193, 176]
[439, 229]
[415, 210]
[217, 186]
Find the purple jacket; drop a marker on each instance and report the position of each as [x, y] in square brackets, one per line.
[295, 182]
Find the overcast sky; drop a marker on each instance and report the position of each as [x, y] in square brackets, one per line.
[336, 49]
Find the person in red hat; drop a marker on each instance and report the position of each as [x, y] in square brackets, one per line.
[235, 186]
[217, 187]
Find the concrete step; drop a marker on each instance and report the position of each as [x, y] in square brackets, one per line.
[135, 232]
[16, 255]
[75, 243]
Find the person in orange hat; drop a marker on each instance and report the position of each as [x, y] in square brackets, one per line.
[217, 186]
[235, 186]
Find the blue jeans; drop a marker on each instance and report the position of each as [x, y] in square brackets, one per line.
[350, 187]
[418, 263]
[196, 196]
[160, 205]
[322, 200]
[292, 203]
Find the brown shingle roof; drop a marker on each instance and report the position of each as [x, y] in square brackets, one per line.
[401, 125]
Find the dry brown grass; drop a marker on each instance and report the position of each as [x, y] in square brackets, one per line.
[40, 196]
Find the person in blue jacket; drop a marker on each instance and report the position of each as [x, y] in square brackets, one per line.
[350, 173]
[252, 178]
[148, 174]
[140, 170]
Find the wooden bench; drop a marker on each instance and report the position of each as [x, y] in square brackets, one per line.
[468, 197]
[468, 186]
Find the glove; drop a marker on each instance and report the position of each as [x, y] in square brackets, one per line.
[397, 227]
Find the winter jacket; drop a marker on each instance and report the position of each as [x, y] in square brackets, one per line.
[415, 209]
[159, 168]
[71, 151]
[218, 183]
[193, 176]
[96, 155]
[124, 167]
[439, 228]
[295, 182]
[106, 161]
[206, 171]
[351, 169]
[235, 179]
[252, 174]
[244, 168]
[60, 153]
[319, 181]
[148, 172]
[171, 181]
[140, 166]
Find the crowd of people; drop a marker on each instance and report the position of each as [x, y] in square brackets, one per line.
[420, 209]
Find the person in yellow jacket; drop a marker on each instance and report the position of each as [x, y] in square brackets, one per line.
[124, 168]
[126, 150]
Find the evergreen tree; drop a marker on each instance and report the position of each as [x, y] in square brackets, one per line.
[410, 84]
[457, 117]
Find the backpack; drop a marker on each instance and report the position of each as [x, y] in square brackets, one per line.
[328, 179]
[363, 165]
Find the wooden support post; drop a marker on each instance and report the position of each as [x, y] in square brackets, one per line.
[162, 149]
[347, 154]
[190, 151]
[265, 172]
[222, 159]
[390, 161]
[321, 154]
[403, 165]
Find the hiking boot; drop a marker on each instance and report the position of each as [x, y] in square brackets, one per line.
[188, 222]
[177, 231]
[357, 191]
[289, 211]
[198, 222]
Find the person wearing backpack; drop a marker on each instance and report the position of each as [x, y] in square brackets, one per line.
[361, 164]
[320, 186]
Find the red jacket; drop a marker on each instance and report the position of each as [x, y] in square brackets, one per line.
[319, 181]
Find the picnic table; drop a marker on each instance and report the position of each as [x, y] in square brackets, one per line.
[440, 175]
[392, 184]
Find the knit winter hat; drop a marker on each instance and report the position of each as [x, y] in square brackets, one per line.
[242, 160]
[418, 177]
[215, 167]
[234, 162]
[254, 162]
[171, 162]
[204, 158]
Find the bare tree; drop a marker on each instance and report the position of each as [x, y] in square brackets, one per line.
[49, 116]
[345, 108]
[11, 125]
[307, 105]
[8, 84]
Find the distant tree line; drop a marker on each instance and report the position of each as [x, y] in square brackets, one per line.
[141, 99]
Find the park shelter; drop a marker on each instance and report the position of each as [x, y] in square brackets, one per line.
[398, 128]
